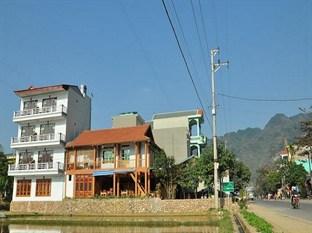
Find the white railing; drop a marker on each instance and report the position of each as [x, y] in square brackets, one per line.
[39, 138]
[37, 111]
[36, 166]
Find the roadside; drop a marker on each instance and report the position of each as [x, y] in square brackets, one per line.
[281, 223]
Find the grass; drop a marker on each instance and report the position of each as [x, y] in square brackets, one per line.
[259, 223]
[225, 224]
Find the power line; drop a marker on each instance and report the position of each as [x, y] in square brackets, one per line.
[199, 38]
[264, 99]
[184, 59]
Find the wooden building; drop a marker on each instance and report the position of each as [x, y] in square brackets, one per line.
[110, 162]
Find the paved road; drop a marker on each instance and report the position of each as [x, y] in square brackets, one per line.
[283, 207]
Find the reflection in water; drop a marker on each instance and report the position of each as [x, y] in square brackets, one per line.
[79, 229]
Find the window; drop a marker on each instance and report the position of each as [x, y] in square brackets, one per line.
[69, 177]
[30, 104]
[25, 157]
[47, 128]
[27, 130]
[49, 104]
[125, 152]
[43, 187]
[45, 156]
[51, 101]
[85, 159]
[108, 155]
[23, 188]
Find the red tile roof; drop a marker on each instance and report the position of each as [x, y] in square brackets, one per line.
[111, 136]
[41, 90]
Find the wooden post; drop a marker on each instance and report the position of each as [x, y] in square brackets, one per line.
[137, 154]
[118, 185]
[145, 154]
[114, 184]
[75, 161]
[149, 182]
[136, 183]
[94, 157]
[93, 186]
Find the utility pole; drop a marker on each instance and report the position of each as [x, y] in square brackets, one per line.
[214, 68]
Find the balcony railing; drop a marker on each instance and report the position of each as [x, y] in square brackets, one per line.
[36, 166]
[198, 139]
[38, 111]
[39, 138]
[107, 164]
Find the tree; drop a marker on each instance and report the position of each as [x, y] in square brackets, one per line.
[188, 178]
[240, 175]
[6, 183]
[165, 171]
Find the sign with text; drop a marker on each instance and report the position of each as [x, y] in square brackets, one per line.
[228, 186]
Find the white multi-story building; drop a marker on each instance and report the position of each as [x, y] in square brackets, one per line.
[48, 118]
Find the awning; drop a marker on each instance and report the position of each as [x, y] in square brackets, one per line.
[111, 172]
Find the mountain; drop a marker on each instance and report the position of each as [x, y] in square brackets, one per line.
[256, 147]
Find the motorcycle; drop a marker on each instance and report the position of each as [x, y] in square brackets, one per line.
[295, 201]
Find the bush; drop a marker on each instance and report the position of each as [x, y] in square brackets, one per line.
[259, 223]
[4, 205]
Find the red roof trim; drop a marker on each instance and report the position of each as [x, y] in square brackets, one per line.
[111, 136]
[40, 90]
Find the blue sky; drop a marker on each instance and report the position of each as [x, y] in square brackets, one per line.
[125, 52]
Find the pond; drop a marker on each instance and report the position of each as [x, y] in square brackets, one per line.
[172, 224]
[20, 228]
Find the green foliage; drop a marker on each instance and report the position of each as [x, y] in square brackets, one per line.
[6, 183]
[239, 173]
[272, 177]
[166, 172]
[188, 176]
[225, 224]
[259, 223]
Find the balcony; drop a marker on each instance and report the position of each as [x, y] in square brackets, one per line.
[51, 168]
[38, 140]
[106, 164]
[47, 113]
[198, 139]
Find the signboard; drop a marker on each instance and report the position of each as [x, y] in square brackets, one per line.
[228, 186]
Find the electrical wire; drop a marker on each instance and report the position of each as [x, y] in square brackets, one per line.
[184, 59]
[264, 99]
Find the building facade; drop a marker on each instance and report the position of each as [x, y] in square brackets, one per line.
[179, 133]
[110, 162]
[48, 118]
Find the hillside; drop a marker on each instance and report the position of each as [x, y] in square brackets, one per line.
[257, 147]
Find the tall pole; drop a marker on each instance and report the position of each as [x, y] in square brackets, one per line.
[214, 68]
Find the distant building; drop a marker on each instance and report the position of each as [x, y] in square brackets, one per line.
[48, 117]
[111, 162]
[179, 133]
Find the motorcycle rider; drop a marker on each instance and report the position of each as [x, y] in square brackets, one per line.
[294, 191]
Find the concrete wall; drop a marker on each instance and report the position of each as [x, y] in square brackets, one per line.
[78, 114]
[123, 206]
[174, 141]
[127, 120]
[57, 189]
